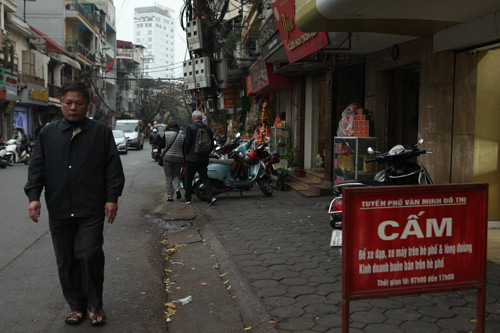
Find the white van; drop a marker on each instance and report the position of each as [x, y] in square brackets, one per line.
[134, 131]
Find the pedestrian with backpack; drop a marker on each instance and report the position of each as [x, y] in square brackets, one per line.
[198, 144]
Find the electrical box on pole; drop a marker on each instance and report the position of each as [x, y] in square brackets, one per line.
[194, 35]
[197, 73]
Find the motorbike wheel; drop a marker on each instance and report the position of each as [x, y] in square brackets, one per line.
[280, 182]
[3, 165]
[10, 160]
[265, 186]
[26, 161]
[200, 191]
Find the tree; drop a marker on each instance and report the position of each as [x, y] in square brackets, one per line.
[159, 98]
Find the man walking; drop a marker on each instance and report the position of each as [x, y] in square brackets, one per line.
[76, 161]
[197, 162]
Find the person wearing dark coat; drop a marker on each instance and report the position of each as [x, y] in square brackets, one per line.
[76, 161]
[196, 162]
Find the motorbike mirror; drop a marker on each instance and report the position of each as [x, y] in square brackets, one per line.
[420, 141]
[371, 151]
[238, 135]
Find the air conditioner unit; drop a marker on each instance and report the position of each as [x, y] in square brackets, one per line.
[260, 16]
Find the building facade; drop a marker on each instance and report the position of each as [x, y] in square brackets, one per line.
[154, 28]
[88, 31]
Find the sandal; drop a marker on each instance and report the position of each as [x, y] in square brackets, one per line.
[75, 318]
[95, 315]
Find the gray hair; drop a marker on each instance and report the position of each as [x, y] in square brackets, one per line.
[197, 115]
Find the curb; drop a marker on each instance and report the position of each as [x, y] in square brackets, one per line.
[252, 310]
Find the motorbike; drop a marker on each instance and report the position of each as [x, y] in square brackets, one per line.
[12, 156]
[402, 168]
[155, 152]
[223, 149]
[273, 165]
[242, 170]
[3, 154]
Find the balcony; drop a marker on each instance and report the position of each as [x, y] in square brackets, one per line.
[54, 91]
[77, 47]
[77, 8]
[25, 78]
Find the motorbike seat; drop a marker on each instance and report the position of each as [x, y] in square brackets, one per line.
[229, 161]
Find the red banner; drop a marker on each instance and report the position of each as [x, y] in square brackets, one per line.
[414, 239]
[297, 44]
[229, 98]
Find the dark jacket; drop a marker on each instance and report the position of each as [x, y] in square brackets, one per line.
[79, 175]
[190, 140]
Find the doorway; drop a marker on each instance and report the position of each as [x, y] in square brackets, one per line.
[403, 89]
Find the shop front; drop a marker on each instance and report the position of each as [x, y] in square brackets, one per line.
[32, 108]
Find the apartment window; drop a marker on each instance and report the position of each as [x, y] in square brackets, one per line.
[150, 32]
[138, 33]
[28, 63]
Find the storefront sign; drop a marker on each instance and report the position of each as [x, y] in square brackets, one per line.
[38, 95]
[297, 43]
[124, 55]
[229, 97]
[271, 44]
[10, 82]
[413, 239]
[2, 78]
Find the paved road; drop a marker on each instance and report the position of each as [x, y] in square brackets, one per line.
[273, 257]
[31, 298]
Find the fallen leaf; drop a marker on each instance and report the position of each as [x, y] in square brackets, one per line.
[225, 282]
[193, 269]
[272, 322]
[228, 287]
[233, 297]
[222, 275]
[216, 266]
[248, 328]
[143, 293]
[473, 320]
[204, 284]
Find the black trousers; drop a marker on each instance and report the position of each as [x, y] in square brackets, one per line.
[191, 169]
[80, 260]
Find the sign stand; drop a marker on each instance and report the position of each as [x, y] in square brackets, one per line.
[404, 240]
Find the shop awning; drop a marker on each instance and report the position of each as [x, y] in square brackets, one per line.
[262, 79]
[399, 17]
[67, 60]
[19, 25]
[54, 102]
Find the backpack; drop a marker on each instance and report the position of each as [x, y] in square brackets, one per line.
[203, 143]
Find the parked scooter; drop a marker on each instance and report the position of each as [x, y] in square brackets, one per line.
[3, 156]
[402, 169]
[241, 171]
[13, 157]
[273, 165]
[223, 150]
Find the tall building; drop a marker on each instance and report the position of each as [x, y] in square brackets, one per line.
[154, 28]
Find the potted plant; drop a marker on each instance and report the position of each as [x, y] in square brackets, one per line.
[292, 157]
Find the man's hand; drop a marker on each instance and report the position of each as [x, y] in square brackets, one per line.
[110, 209]
[34, 210]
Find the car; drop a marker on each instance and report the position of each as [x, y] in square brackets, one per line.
[160, 128]
[121, 141]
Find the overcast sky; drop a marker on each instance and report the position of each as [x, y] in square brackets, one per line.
[125, 24]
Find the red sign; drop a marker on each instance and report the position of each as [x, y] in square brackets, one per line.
[413, 239]
[297, 44]
[229, 97]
